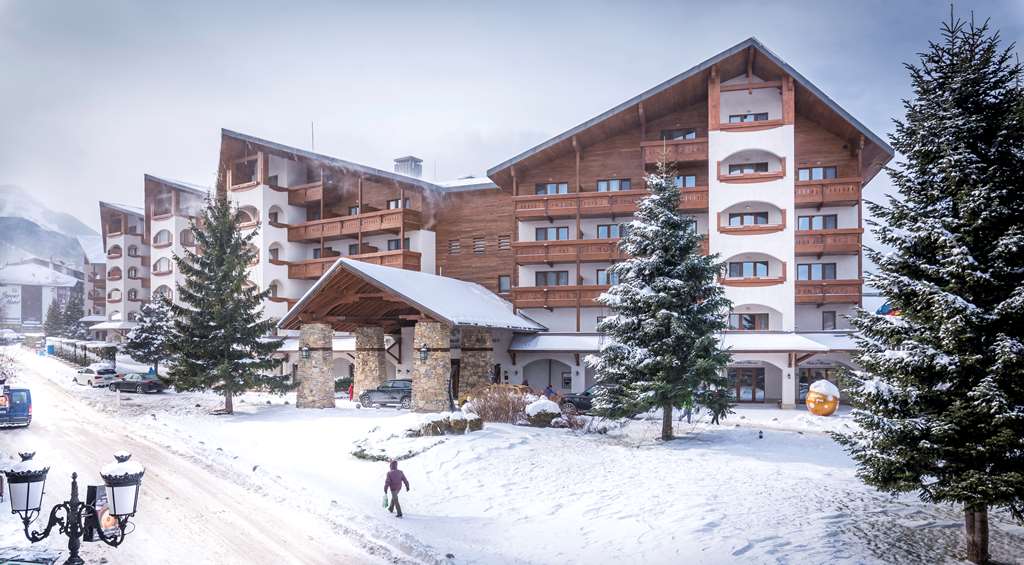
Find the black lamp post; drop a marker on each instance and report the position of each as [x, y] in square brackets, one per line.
[26, 483]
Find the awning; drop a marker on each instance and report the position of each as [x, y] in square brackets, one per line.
[558, 342]
[783, 342]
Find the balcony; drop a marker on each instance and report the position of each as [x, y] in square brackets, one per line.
[676, 150]
[305, 194]
[829, 292]
[597, 204]
[557, 296]
[315, 268]
[818, 193]
[370, 223]
[567, 251]
[115, 255]
[828, 242]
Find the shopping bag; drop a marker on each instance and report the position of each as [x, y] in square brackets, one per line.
[384, 502]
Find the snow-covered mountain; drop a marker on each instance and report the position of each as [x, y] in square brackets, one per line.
[29, 228]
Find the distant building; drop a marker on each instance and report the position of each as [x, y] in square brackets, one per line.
[27, 289]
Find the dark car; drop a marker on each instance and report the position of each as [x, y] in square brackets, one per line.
[15, 407]
[134, 382]
[396, 392]
[578, 402]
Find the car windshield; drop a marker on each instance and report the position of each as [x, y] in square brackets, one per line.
[106, 372]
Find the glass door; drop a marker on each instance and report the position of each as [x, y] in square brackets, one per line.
[748, 384]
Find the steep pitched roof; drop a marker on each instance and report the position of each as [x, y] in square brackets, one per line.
[196, 189]
[130, 210]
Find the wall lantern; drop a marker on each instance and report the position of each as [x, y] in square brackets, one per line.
[424, 351]
[305, 351]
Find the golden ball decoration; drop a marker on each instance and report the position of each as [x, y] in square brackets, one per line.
[822, 398]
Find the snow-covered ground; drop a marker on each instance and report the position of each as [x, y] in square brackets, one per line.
[511, 494]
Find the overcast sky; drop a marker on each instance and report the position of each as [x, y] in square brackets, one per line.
[96, 93]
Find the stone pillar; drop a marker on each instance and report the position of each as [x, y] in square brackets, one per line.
[316, 374]
[371, 366]
[430, 377]
[477, 365]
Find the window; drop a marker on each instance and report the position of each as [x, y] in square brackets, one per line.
[672, 134]
[823, 222]
[566, 381]
[162, 237]
[396, 244]
[398, 203]
[552, 233]
[272, 216]
[816, 272]
[552, 278]
[748, 168]
[353, 249]
[752, 117]
[133, 272]
[748, 269]
[133, 251]
[454, 247]
[686, 181]
[504, 242]
[161, 266]
[604, 277]
[275, 253]
[187, 238]
[613, 185]
[552, 188]
[828, 320]
[504, 283]
[133, 294]
[312, 214]
[816, 173]
[611, 231]
[353, 210]
[748, 219]
[316, 253]
[748, 322]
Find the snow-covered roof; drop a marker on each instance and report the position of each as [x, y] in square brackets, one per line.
[456, 302]
[339, 343]
[196, 189]
[835, 341]
[114, 326]
[133, 210]
[469, 183]
[738, 342]
[92, 318]
[32, 274]
[762, 342]
[92, 246]
[557, 342]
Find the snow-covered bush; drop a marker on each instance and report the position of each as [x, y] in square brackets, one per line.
[474, 423]
[541, 412]
[498, 404]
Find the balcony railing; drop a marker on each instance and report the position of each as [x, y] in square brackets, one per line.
[383, 221]
[677, 150]
[557, 296]
[827, 192]
[115, 255]
[596, 204]
[306, 194]
[568, 251]
[829, 292]
[315, 268]
[844, 241]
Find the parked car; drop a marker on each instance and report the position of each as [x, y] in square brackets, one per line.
[396, 392]
[15, 407]
[95, 375]
[578, 402]
[136, 382]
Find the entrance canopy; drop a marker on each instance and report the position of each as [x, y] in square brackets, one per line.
[353, 294]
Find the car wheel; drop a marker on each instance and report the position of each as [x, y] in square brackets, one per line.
[364, 400]
[140, 389]
[406, 403]
[75, 380]
[89, 383]
[112, 387]
[569, 408]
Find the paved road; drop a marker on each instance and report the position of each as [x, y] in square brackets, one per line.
[187, 514]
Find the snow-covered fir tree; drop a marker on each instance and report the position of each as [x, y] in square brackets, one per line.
[53, 325]
[667, 311]
[71, 317]
[149, 342]
[219, 336]
[941, 395]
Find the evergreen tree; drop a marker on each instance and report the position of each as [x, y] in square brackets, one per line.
[53, 326]
[667, 311]
[941, 397]
[219, 333]
[149, 341]
[71, 317]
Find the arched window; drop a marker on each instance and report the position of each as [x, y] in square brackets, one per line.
[248, 284]
[274, 287]
[114, 295]
[247, 216]
[133, 294]
[186, 238]
[163, 291]
[133, 250]
[114, 316]
[114, 252]
[163, 238]
[275, 215]
[163, 266]
[114, 274]
[254, 253]
[133, 316]
[133, 272]
[276, 251]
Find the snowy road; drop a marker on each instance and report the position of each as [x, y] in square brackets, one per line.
[187, 514]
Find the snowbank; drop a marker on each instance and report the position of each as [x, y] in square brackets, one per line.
[542, 405]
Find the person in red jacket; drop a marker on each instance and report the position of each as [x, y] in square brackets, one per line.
[394, 481]
[351, 390]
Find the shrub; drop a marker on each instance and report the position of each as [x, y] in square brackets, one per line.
[499, 404]
[541, 412]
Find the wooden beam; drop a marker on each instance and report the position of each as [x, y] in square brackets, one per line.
[750, 66]
[714, 99]
[576, 148]
[788, 101]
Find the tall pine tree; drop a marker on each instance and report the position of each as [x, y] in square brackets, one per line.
[149, 342]
[53, 325]
[941, 396]
[667, 311]
[71, 317]
[219, 337]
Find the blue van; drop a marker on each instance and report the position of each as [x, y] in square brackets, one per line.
[15, 407]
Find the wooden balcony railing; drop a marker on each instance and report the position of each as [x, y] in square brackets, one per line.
[306, 194]
[383, 221]
[315, 268]
[556, 296]
[751, 229]
[754, 281]
[817, 193]
[829, 292]
[747, 178]
[843, 241]
[596, 204]
[677, 150]
[568, 251]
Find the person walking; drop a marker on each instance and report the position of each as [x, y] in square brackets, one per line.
[393, 482]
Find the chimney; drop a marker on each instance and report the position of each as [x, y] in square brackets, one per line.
[409, 166]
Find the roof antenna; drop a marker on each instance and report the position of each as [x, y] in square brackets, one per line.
[312, 137]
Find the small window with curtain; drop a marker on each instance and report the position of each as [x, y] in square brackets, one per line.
[748, 269]
[748, 322]
[552, 278]
[554, 233]
[604, 277]
[821, 222]
[748, 219]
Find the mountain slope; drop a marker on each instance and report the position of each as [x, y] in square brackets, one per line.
[29, 229]
[18, 203]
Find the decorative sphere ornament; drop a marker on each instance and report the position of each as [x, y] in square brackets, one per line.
[822, 398]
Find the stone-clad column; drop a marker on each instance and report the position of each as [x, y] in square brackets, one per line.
[371, 367]
[316, 374]
[477, 365]
[430, 377]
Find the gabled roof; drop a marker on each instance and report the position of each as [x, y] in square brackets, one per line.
[130, 210]
[691, 73]
[196, 189]
[92, 246]
[444, 299]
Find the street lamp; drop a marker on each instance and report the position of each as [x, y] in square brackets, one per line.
[26, 483]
